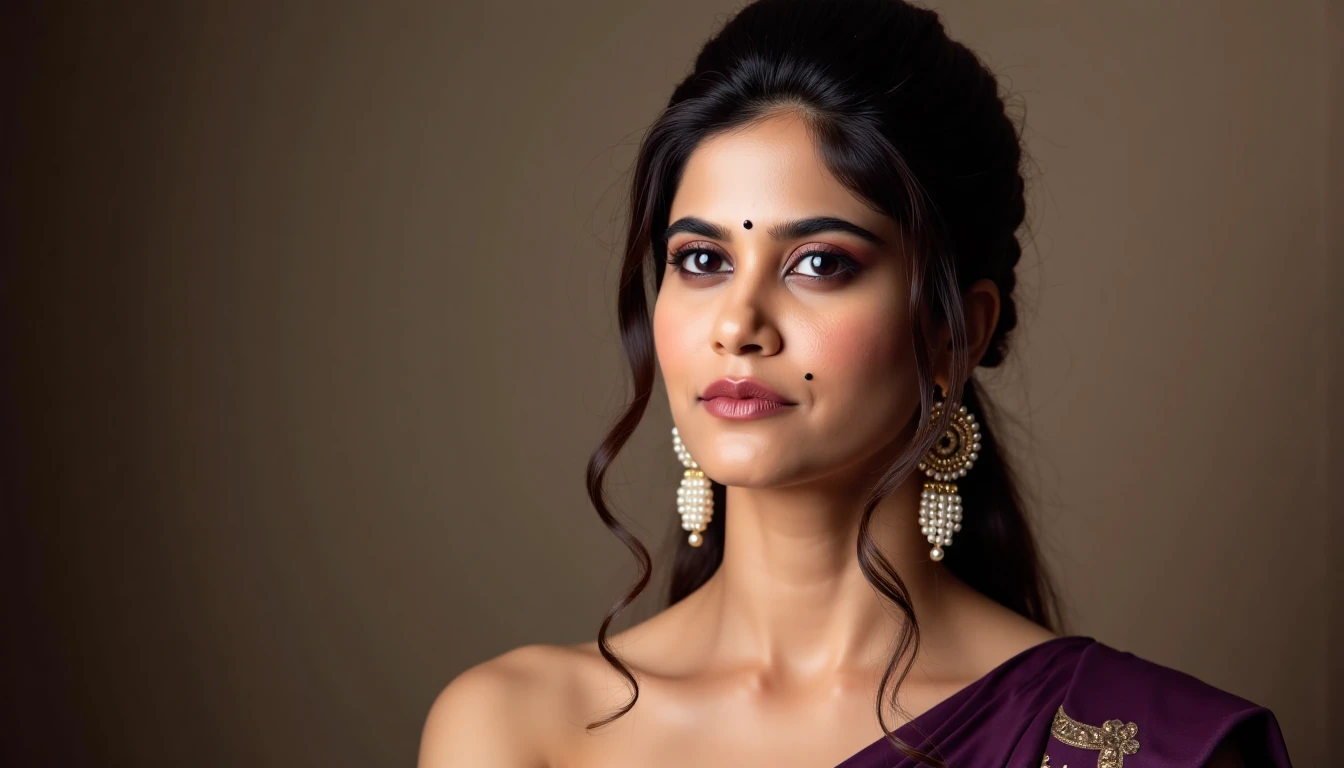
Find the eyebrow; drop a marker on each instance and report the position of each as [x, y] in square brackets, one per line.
[785, 230]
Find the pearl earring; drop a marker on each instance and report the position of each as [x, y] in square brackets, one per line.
[695, 499]
[950, 458]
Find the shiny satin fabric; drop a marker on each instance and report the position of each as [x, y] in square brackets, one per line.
[1076, 702]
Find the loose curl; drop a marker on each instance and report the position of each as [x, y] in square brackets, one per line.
[913, 123]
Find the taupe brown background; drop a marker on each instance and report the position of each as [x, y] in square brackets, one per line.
[308, 334]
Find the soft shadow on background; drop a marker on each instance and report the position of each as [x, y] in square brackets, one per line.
[308, 333]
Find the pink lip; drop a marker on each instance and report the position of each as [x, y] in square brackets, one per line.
[742, 399]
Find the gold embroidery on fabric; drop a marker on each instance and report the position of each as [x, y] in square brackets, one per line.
[1046, 763]
[1114, 739]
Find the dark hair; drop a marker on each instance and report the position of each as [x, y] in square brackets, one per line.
[913, 123]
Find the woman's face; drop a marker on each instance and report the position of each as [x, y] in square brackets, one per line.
[832, 303]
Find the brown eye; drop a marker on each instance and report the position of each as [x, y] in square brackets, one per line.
[821, 264]
[698, 261]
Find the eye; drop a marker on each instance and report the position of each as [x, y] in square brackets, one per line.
[697, 260]
[817, 266]
[824, 265]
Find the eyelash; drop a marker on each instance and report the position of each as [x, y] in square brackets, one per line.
[849, 267]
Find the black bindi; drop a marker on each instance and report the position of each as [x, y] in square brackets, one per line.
[808, 377]
[747, 224]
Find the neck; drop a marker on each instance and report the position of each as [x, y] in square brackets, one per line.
[789, 595]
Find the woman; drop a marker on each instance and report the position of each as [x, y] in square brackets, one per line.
[829, 207]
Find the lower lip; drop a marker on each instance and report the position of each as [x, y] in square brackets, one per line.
[743, 408]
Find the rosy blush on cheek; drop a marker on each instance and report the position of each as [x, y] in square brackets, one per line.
[864, 377]
[859, 346]
[674, 342]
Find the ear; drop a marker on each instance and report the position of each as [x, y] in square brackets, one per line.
[980, 306]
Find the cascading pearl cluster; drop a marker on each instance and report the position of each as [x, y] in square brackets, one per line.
[939, 515]
[954, 454]
[695, 498]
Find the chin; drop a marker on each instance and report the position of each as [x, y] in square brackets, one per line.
[768, 469]
[772, 477]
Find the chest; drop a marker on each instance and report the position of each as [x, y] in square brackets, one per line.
[723, 745]
[670, 728]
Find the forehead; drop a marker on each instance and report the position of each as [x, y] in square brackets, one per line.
[768, 171]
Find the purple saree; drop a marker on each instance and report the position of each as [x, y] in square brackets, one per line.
[1072, 701]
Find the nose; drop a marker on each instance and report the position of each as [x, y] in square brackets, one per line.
[744, 324]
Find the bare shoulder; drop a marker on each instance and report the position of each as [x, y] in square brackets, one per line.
[988, 633]
[502, 713]
[528, 707]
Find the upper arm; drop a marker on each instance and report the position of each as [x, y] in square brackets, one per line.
[479, 719]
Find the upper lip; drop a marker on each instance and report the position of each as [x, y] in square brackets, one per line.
[741, 389]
